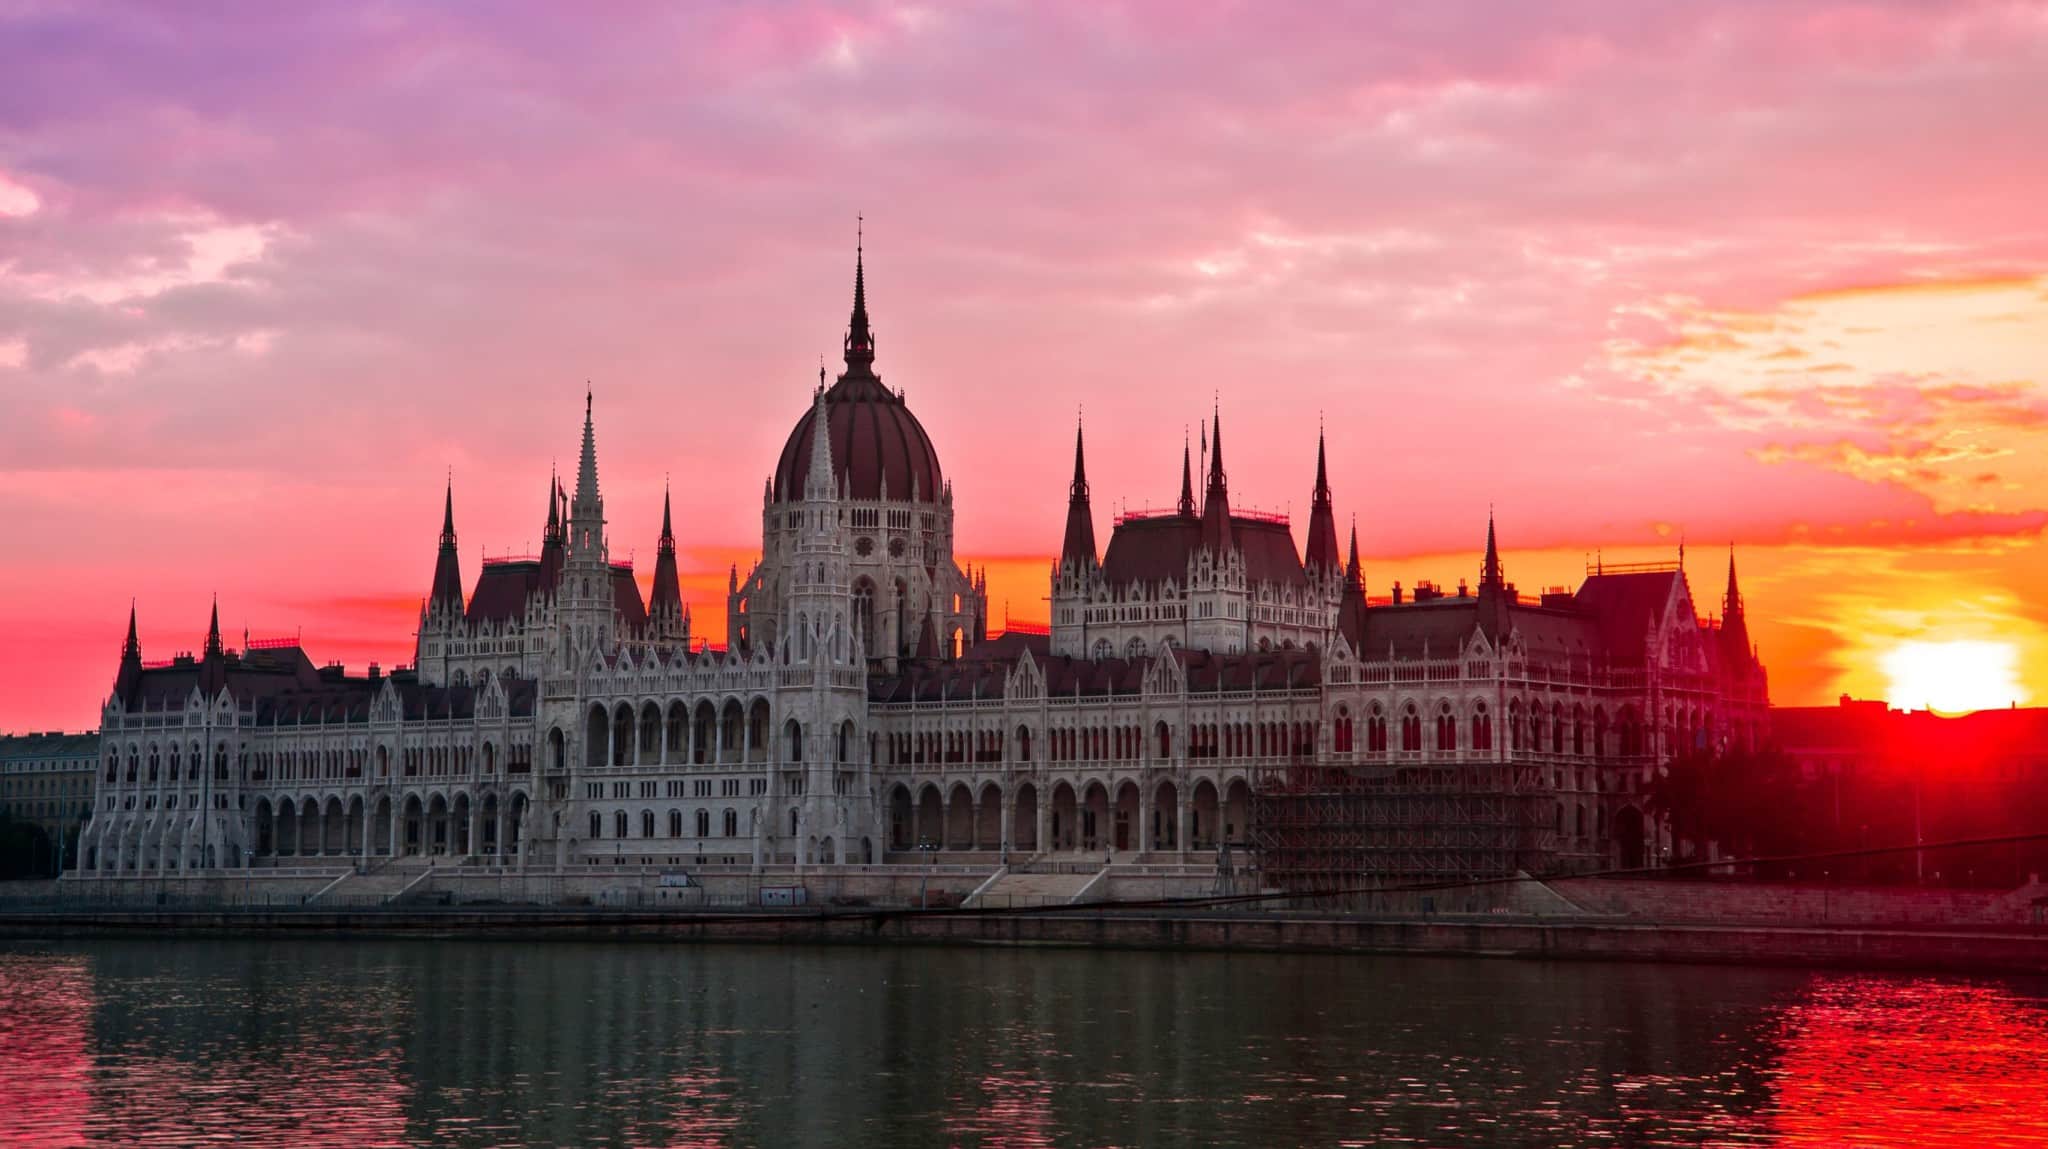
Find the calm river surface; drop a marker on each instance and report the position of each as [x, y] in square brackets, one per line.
[347, 1043]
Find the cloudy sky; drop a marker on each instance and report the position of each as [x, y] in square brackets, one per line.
[1771, 274]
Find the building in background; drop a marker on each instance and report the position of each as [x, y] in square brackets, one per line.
[1860, 775]
[1202, 684]
[46, 783]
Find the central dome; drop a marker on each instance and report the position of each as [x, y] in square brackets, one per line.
[876, 442]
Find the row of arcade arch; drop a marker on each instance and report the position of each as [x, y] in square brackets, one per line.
[1093, 815]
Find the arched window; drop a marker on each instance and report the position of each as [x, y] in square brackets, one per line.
[1376, 731]
[675, 823]
[647, 823]
[1411, 729]
[1446, 729]
[1343, 731]
[1515, 724]
[794, 736]
[732, 824]
[703, 823]
[620, 824]
[596, 825]
[1482, 728]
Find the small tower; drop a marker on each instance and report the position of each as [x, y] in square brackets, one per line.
[1736, 653]
[817, 610]
[1079, 573]
[584, 604]
[551, 538]
[1320, 559]
[1495, 595]
[1351, 608]
[666, 619]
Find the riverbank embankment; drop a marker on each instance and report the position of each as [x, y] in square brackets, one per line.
[1950, 950]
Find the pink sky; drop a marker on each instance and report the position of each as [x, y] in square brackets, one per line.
[1770, 273]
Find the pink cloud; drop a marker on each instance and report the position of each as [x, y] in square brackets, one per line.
[285, 268]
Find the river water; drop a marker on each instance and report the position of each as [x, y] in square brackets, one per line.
[354, 1043]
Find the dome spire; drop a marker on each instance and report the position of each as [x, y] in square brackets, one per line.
[860, 340]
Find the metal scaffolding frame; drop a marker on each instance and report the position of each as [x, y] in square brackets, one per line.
[1322, 828]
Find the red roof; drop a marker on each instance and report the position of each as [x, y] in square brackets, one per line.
[874, 437]
[1150, 551]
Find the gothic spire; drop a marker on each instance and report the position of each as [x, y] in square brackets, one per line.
[666, 607]
[1187, 480]
[447, 592]
[554, 527]
[1493, 597]
[130, 673]
[1351, 607]
[1734, 619]
[213, 648]
[860, 341]
[1216, 534]
[1322, 523]
[1079, 545]
[1490, 577]
[821, 483]
[587, 496]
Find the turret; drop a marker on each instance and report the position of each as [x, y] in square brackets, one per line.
[1078, 548]
[586, 601]
[665, 612]
[1321, 558]
[1351, 609]
[1216, 533]
[445, 600]
[130, 673]
[1187, 481]
[213, 673]
[1494, 596]
[551, 537]
[1735, 649]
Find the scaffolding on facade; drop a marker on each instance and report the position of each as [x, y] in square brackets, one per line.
[1320, 829]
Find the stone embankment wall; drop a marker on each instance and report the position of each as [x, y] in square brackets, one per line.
[1727, 901]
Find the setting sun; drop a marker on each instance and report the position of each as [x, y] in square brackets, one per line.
[1953, 677]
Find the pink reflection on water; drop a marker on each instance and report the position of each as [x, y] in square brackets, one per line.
[1008, 1110]
[45, 1071]
[1869, 1061]
[705, 1116]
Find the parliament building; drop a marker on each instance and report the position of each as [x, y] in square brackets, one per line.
[1204, 685]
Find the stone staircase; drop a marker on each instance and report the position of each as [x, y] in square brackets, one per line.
[385, 881]
[1015, 890]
